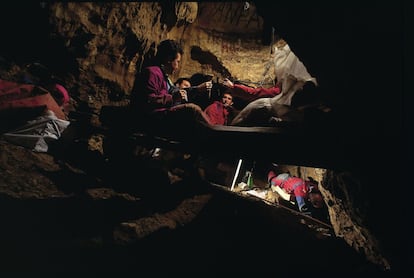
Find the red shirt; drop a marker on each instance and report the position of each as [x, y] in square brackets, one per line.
[296, 186]
[217, 113]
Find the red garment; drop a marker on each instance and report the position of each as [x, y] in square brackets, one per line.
[17, 96]
[296, 186]
[217, 113]
[292, 185]
[249, 94]
[13, 90]
[150, 91]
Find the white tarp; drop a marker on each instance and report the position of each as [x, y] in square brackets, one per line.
[293, 75]
[36, 134]
[291, 72]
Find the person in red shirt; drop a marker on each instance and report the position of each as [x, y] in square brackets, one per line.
[221, 112]
[249, 94]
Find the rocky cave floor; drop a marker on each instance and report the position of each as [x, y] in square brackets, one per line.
[75, 210]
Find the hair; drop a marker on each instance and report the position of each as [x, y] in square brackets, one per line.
[181, 79]
[199, 78]
[227, 92]
[167, 51]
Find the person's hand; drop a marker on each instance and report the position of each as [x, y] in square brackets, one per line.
[205, 86]
[209, 85]
[227, 83]
[184, 97]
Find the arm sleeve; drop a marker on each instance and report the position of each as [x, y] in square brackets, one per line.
[157, 93]
[248, 92]
[215, 115]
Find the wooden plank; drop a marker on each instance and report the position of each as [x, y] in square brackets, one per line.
[322, 228]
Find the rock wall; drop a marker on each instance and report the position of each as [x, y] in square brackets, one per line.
[96, 49]
[111, 41]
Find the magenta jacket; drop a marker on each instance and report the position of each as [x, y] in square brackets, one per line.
[151, 94]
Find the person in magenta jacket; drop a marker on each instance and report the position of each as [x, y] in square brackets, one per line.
[249, 94]
[303, 191]
[154, 93]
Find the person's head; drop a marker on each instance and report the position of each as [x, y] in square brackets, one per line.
[314, 195]
[183, 83]
[316, 199]
[169, 54]
[227, 99]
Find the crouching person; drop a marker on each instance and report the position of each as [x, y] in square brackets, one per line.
[154, 94]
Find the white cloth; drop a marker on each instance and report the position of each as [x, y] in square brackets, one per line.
[291, 72]
[36, 134]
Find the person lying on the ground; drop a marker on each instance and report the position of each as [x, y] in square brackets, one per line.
[16, 95]
[290, 187]
[40, 75]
